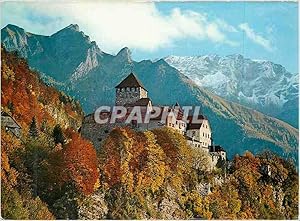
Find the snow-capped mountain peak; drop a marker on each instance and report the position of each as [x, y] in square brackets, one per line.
[259, 84]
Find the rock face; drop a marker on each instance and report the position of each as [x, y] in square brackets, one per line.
[94, 207]
[261, 85]
[236, 127]
[90, 63]
[65, 54]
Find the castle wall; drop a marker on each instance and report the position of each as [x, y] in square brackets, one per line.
[203, 134]
[197, 144]
[129, 95]
[95, 132]
[172, 122]
[150, 126]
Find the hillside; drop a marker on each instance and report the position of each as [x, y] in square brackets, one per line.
[155, 175]
[25, 96]
[261, 85]
[51, 172]
[49, 154]
[92, 79]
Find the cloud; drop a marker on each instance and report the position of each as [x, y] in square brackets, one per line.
[256, 38]
[118, 24]
[225, 26]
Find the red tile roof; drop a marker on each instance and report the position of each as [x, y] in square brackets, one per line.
[194, 126]
[191, 125]
[202, 117]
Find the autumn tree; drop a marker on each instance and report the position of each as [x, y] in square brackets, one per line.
[80, 163]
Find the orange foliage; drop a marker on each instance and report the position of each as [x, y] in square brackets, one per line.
[243, 165]
[80, 163]
[126, 157]
[8, 144]
[29, 95]
[112, 166]
[169, 147]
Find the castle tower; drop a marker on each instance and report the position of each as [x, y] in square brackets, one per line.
[130, 90]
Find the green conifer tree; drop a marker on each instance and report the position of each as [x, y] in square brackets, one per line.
[33, 129]
[58, 135]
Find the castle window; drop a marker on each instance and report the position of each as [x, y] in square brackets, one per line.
[122, 89]
[106, 131]
[133, 89]
[128, 89]
[176, 122]
[203, 134]
[99, 139]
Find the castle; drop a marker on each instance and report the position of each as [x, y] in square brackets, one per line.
[132, 93]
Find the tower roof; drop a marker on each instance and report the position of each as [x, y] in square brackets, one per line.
[131, 81]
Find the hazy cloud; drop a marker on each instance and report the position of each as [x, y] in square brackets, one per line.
[119, 24]
[256, 38]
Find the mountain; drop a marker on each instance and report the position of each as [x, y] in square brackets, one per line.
[69, 52]
[258, 84]
[235, 127]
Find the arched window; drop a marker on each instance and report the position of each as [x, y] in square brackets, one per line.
[133, 89]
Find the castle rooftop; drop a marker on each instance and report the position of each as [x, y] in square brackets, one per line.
[131, 81]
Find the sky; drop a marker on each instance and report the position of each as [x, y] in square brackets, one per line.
[256, 30]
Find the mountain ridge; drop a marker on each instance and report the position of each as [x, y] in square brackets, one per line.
[236, 127]
[258, 84]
